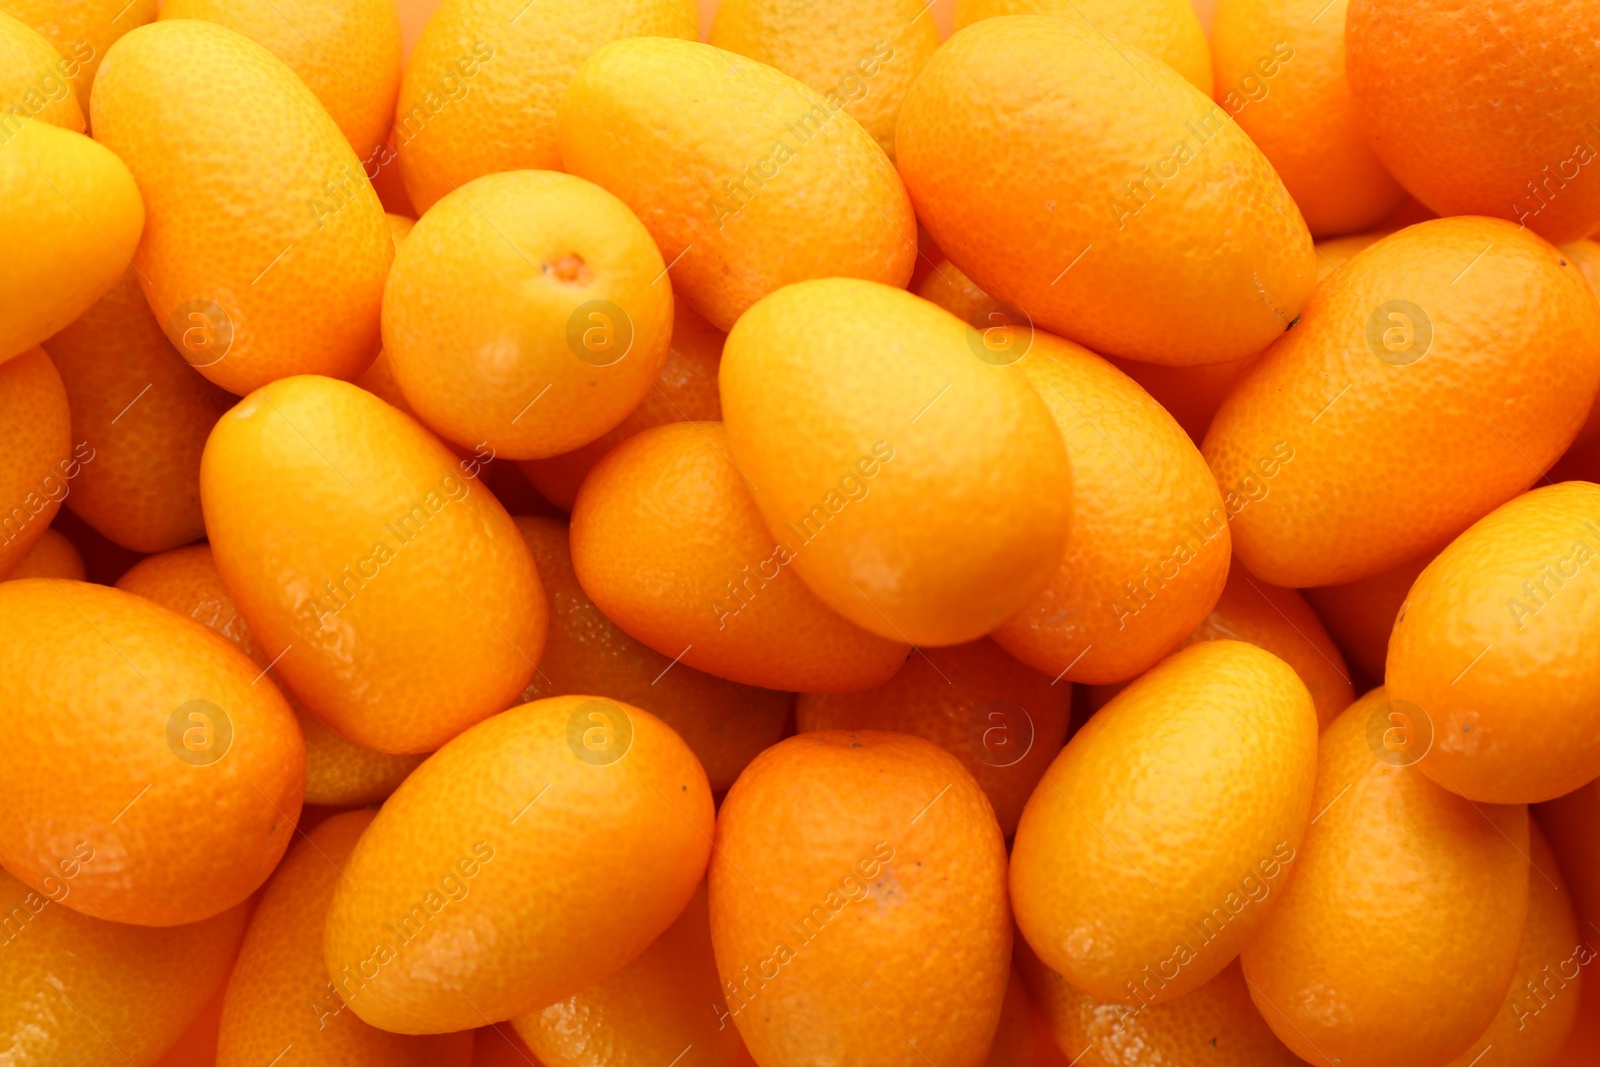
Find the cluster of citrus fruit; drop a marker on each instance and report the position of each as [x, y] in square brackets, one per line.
[999, 534]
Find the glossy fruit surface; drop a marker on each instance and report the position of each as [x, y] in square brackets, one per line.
[1492, 644]
[265, 249]
[1187, 796]
[858, 448]
[72, 217]
[1102, 174]
[669, 544]
[1428, 382]
[279, 995]
[526, 312]
[807, 192]
[467, 898]
[339, 772]
[187, 775]
[92, 993]
[837, 853]
[1396, 937]
[652, 1010]
[392, 590]
[1215, 1023]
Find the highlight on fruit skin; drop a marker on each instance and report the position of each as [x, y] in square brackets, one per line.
[339, 772]
[160, 716]
[83, 990]
[851, 442]
[1490, 744]
[573, 267]
[279, 995]
[1498, 338]
[73, 217]
[807, 194]
[669, 544]
[265, 248]
[422, 569]
[447, 834]
[1189, 793]
[1120, 209]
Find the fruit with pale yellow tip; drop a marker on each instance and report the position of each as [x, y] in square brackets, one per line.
[72, 217]
[857, 446]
